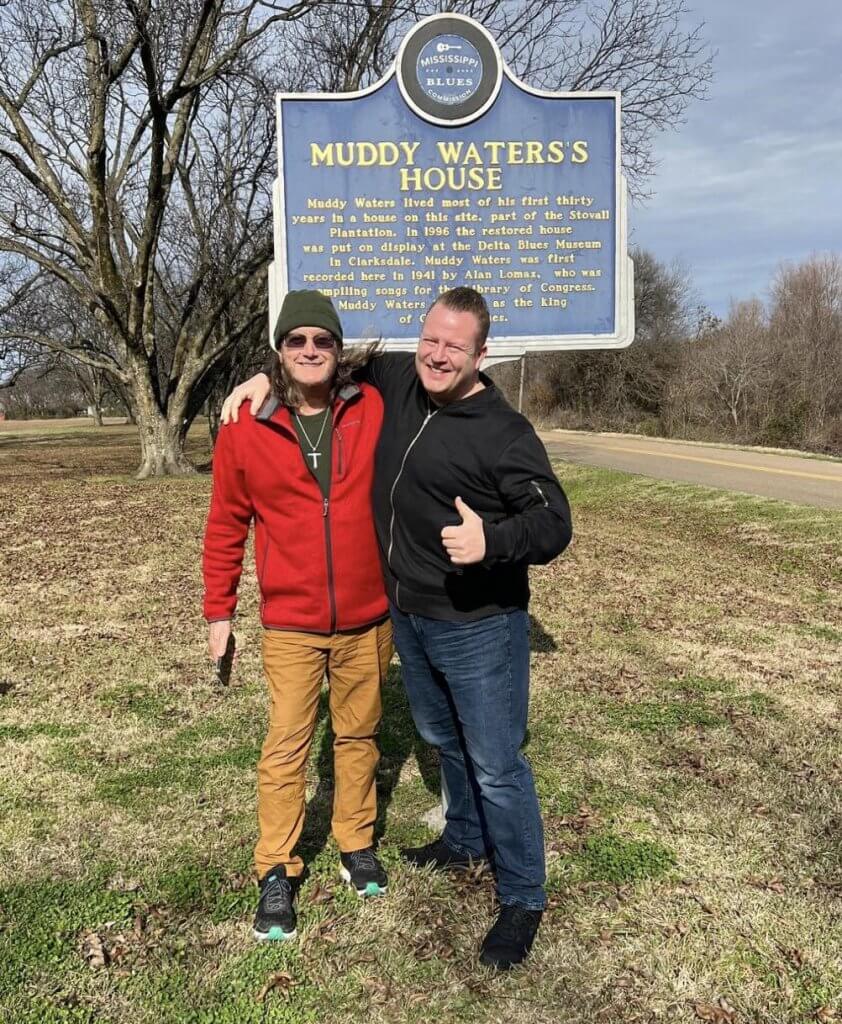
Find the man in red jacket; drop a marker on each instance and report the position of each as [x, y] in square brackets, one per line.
[302, 469]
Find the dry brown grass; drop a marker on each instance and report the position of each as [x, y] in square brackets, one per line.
[685, 735]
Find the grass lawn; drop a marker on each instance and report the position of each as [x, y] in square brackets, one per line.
[685, 732]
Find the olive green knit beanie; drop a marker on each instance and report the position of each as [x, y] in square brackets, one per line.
[307, 308]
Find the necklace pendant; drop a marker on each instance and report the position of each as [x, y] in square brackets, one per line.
[315, 457]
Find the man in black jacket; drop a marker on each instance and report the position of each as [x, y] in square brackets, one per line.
[464, 501]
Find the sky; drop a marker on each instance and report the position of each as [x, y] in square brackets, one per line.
[753, 179]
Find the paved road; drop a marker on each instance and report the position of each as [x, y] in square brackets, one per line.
[788, 477]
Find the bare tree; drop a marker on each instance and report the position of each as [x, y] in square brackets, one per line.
[136, 150]
[616, 388]
[92, 384]
[19, 291]
[767, 374]
[806, 327]
[137, 153]
[14, 362]
[637, 46]
[734, 364]
[44, 390]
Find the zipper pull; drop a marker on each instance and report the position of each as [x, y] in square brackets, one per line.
[324, 507]
[541, 494]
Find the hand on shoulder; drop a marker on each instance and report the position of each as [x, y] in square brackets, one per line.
[255, 389]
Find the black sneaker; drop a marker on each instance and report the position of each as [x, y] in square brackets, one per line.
[511, 937]
[439, 856]
[362, 870]
[275, 919]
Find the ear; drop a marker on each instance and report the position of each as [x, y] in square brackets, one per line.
[480, 356]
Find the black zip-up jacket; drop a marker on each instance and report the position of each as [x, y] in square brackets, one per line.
[483, 451]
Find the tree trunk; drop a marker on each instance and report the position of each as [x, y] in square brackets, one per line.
[97, 414]
[128, 407]
[161, 441]
[214, 418]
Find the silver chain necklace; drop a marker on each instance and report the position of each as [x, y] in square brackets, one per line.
[314, 453]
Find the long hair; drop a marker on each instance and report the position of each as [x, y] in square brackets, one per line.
[285, 389]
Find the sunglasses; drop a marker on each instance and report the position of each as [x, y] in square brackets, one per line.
[323, 342]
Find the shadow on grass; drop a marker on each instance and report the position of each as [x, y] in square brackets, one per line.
[397, 741]
[539, 639]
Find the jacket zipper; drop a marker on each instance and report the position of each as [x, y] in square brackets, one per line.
[430, 413]
[540, 494]
[331, 590]
[331, 593]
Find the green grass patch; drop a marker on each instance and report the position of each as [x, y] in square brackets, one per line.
[232, 997]
[610, 858]
[756, 704]
[701, 685]
[43, 921]
[226, 726]
[53, 731]
[682, 719]
[822, 632]
[138, 701]
[795, 540]
[660, 716]
[135, 787]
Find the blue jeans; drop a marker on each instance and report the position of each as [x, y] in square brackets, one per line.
[468, 688]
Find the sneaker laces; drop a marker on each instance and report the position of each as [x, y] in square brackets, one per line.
[364, 860]
[277, 895]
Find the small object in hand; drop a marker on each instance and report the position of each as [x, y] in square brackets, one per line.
[223, 664]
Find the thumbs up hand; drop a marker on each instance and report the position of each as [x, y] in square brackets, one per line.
[465, 544]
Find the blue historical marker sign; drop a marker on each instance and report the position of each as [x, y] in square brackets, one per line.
[450, 171]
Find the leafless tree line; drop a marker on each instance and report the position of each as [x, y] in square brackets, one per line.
[62, 387]
[137, 157]
[769, 374]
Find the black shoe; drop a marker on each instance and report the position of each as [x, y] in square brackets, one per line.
[362, 870]
[275, 919]
[511, 937]
[439, 856]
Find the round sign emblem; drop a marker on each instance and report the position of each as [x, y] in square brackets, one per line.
[449, 69]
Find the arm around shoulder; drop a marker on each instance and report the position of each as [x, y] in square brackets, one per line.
[256, 389]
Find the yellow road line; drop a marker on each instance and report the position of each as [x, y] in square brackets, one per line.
[723, 462]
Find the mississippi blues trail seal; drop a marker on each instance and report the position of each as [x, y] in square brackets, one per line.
[449, 70]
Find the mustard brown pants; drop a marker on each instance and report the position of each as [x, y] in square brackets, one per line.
[355, 663]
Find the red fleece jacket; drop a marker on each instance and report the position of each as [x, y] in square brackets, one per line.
[316, 558]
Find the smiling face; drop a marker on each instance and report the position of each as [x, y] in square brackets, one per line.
[447, 359]
[310, 356]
